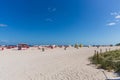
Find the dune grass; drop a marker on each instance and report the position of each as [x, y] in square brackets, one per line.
[107, 60]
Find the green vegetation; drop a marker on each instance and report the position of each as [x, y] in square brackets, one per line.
[108, 60]
[118, 44]
[77, 46]
[80, 45]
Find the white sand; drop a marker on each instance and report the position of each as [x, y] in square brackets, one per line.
[56, 64]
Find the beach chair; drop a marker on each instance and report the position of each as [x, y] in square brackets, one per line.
[114, 79]
[118, 78]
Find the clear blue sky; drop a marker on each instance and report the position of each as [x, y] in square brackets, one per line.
[60, 21]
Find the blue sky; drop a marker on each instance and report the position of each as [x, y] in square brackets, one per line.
[59, 21]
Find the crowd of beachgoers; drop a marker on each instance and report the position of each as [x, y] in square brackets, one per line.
[43, 47]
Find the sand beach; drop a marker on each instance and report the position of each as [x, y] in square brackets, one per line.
[52, 64]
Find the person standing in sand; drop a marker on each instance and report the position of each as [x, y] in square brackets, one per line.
[43, 49]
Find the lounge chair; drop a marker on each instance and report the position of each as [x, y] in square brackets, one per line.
[118, 78]
[114, 79]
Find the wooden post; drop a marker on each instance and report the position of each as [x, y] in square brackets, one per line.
[105, 75]
[100, 50]
[109, 49]
[95, 51]
[106, 49]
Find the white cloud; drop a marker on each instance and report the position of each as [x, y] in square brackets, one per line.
[4, 41]
[111, 24]
[49, 20]
[117, 20]
[3, 25]
[114, 13]
[117, 17]
[52, 9]
[49, 9]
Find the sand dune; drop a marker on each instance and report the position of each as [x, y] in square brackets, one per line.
[56, 64]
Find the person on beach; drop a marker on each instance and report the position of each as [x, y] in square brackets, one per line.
[39, 48]
[43, 49]
[19, 47]
[2, 49]
[65, 48]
